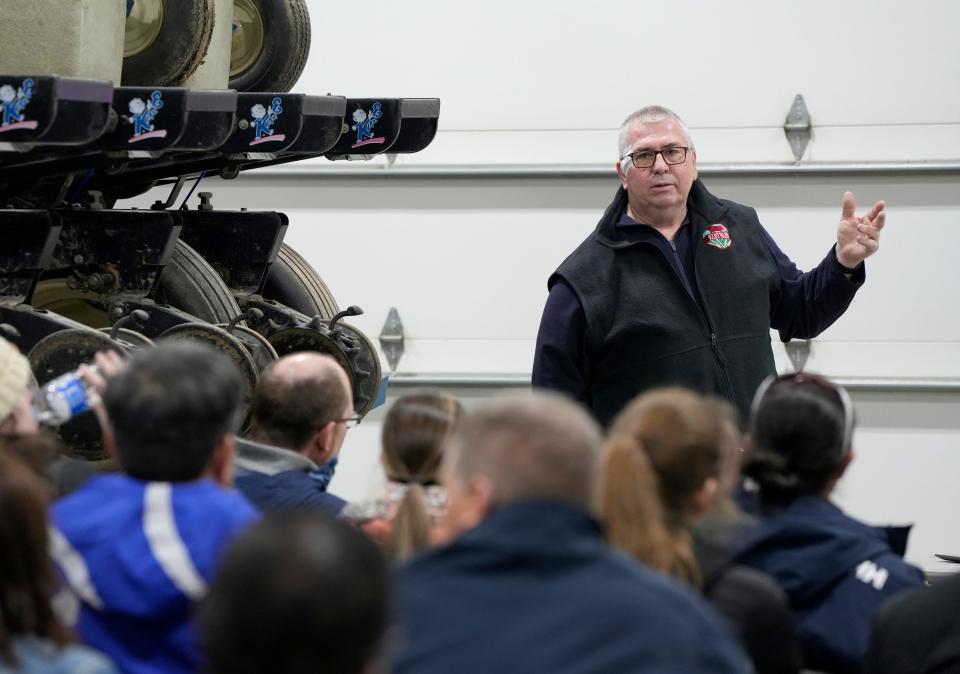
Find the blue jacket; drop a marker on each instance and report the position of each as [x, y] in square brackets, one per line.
[274, 478]
[137, 555]
[534, 589]
[836, 572]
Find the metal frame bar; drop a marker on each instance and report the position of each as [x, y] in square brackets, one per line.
[882, 385]
[606, 170]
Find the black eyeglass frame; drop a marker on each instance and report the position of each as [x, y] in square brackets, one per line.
[653, 160]
[351, 421]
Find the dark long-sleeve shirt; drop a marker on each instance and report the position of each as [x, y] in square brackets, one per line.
[808, 303]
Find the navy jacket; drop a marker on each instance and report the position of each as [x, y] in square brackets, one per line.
[275, 479]
[836, 572]
[534, 588]
[802, 305]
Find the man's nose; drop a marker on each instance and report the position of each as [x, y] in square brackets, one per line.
[660, 164]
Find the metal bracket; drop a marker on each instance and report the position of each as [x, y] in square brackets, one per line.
[391, 339]
[799, 351]
[797, 127]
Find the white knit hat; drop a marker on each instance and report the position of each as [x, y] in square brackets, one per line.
[14, 377]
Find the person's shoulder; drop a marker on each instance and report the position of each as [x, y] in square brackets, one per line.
[215, 500]
[116, 489]
[78, 659]
[42, 656]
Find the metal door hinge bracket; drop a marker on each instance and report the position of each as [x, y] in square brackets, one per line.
[391, 339]
[798, 127]
[799, 351]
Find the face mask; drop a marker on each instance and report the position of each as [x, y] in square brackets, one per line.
[323, 474]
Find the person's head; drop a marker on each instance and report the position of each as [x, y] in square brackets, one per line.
[800, 437]
[27, 579]
[305, 593]
[664, 183]
[174, 410]
[415, 434]
[303, 402]
[16, 416]
[539, 446]
[676, 434]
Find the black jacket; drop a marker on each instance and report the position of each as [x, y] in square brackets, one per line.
[752, 603]
[918, 632]
[627, 313]
[534, 590]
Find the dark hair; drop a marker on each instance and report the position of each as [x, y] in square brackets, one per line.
[286, 413]
[680, 437]
[304, 593]
[799, 436]
[413, 438]
[26, 573]
[170, 407]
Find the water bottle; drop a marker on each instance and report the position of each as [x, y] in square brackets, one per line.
[65, 397]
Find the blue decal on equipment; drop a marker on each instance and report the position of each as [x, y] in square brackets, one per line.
[365, 121]
[142, 116]
[13, 102]
[263, 121]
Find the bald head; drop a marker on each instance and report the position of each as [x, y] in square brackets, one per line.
[538, 446]
[295, 396]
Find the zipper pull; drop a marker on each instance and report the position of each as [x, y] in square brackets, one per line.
[715, 345]
[673, 244]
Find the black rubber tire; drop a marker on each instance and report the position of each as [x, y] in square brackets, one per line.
[286, 45]
[292, 281]
[190, 284]
[179, 48]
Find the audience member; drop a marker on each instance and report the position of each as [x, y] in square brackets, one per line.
[835, 570]
[917, 632]
[32, 638]
[674, 444]
[409, 517]
[305, 594]
[529, 585]
[138, 549]
[21, 435]
[301, 409]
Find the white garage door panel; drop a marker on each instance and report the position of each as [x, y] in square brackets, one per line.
[503, 65]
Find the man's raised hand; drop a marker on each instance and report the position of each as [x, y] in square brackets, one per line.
[858, 237]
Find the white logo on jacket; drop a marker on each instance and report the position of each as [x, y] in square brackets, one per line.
[871, 574]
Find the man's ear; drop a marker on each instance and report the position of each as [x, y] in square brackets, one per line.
[621, 174]
[321, 447]
[481, 492]
[220, 467]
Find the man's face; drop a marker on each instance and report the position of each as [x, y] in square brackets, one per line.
[661, 185]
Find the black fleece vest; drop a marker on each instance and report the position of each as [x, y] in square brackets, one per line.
[644, 330]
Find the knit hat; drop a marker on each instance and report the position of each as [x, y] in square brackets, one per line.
[14, 377]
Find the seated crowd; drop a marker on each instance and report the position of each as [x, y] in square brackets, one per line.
[511, 537]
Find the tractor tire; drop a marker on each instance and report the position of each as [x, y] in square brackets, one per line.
[166, 40]
[190, 284]
[292, 281]
[271, 42]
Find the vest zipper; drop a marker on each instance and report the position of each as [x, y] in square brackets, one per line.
[705, 318]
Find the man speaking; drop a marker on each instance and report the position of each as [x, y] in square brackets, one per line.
[677, 286]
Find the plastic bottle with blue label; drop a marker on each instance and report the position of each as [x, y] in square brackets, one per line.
[65, 397]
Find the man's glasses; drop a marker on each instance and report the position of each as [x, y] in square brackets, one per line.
[350, 422]
[647, 158]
